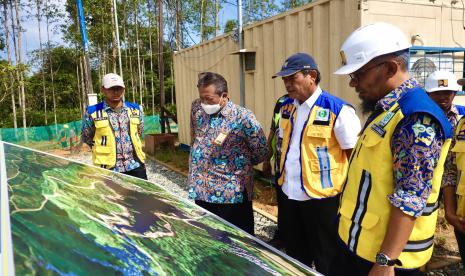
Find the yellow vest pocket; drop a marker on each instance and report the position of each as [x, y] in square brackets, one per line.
[101, 123]
[101, 149]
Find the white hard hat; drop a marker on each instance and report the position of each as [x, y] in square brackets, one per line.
[441, 81]
[368, 42]
[111, 80]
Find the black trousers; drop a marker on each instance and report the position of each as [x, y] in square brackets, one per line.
[239, 214]
[309, 230]
[140, 172]
[346, 263]
[280, 198]
[461, 243]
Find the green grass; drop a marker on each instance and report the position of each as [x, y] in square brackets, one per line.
[176, 158]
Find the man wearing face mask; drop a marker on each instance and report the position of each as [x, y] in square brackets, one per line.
[227, 141]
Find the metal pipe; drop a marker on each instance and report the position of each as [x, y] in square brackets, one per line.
[241, 59]
[85, 46]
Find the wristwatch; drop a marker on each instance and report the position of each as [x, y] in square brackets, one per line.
[383, 260]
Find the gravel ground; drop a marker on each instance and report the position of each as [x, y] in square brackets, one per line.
[450, 270]
[264, 227]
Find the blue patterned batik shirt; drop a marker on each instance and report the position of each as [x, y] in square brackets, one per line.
[224, 149]
[450, 176]
[414, 156]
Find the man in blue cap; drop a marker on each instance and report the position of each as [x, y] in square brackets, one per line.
[316, 134]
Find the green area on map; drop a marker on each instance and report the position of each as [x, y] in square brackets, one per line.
[72, 219]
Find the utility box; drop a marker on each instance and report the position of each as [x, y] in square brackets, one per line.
[156, 141]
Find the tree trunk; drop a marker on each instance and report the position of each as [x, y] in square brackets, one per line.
[41, 54]
[78, 85]
[216, 17]
[21, 75]
[13, 28]
[133, 85]
[7, 42]
[83, 86]
[161, 68]
[178, 15]
[113, 35]
[172, 77]
[152, 90]
[201, 20]
[138, 53]
[50, 60]
[125, 37]
[144, 74]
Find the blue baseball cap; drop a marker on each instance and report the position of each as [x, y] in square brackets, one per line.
[295, 63]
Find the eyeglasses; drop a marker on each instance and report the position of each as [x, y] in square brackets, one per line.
[356, 75]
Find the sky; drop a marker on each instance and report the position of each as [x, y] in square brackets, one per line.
[30, 37]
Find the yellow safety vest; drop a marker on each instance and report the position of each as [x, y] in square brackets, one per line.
[364, 208]
[323, 163]
[459, 150]
[104, 148]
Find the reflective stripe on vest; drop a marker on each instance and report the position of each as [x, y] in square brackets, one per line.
[365, 210]
[459, 150]
[104, 148]
[323, 163]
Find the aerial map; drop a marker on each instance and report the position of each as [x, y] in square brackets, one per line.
[69, 218]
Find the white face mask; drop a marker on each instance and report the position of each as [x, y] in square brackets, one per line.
[211, 108]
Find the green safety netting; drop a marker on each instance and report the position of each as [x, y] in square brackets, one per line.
[63, 135]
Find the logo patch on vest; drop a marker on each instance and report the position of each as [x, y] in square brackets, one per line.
[378, 129]
[386, 119]
[100, 119]
[322, 114]
[322, 117]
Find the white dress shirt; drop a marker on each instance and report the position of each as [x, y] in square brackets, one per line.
[346, 128]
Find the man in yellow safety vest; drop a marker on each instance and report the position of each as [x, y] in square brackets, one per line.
[113, 129]
[388, 210]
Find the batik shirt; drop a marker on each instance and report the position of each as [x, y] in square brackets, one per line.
[126, 159]
[414, 156]
[450, 176]
[224, 149]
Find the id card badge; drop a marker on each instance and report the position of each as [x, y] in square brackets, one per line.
[219, 140]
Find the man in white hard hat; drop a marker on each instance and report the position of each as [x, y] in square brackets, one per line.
[442, 86]
[388, 209]
[453, 185]
[113, 129]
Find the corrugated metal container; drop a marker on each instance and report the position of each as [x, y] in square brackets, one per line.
[319, 29]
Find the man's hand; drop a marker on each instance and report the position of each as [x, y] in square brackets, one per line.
[377, 270]
[456, 221]
[266, 168]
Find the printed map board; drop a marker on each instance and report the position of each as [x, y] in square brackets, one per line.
[68, 218]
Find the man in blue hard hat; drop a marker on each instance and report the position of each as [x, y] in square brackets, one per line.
[316, 133]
